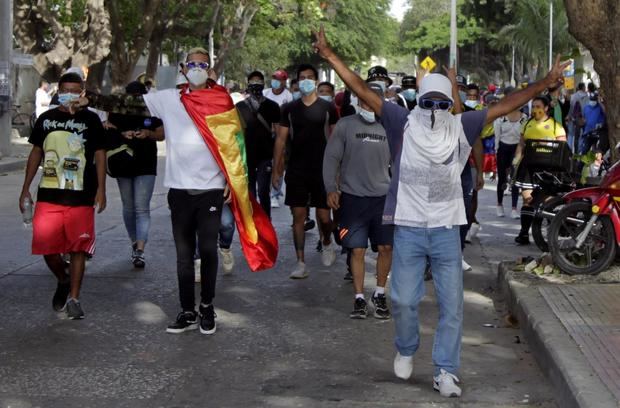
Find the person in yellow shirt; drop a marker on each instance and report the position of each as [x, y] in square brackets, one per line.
[540, 126]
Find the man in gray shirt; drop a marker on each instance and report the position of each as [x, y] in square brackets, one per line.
[357, 178]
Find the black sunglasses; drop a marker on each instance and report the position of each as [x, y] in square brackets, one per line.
[436, 105]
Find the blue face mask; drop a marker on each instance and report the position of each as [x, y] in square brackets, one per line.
[593, 103]
[368, 116]
[307, 86]
[409, 94]
[65, 99]
[381, 84]
[463, 96]
[327, 98]
[275, 83]
[296, 95]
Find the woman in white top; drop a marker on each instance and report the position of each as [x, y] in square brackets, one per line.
[507, 136]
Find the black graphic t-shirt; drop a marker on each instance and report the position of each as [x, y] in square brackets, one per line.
[69, 143]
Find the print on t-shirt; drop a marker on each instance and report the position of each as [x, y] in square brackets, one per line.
[65, 159]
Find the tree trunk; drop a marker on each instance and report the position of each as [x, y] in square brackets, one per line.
[234, 31]
[94, 82]
[596, 24]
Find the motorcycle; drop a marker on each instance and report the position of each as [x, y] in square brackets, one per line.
[584, 235]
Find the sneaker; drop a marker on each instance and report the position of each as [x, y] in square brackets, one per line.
[468, 237]
[360, 309]
[522, 239]
[403, 366]
[228, 260]
[137, 258]
[299, 272]
[197, 270]
[514, 214]
[60, 296]
[185, 321]
[207, 319]
[445, 383]
[74, 309]
[275, 203]
[500, 211]
[328, 255]
[474, 229]
[465, 265]
[381, 309]
[348, 276]
[309, 224]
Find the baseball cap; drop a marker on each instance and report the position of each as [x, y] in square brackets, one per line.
[377, 73]
[280, 74]
[460, 80]
[408, 81]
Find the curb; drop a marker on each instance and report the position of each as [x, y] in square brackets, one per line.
[10, 165]
[574, 380]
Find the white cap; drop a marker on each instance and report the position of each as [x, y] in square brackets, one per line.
[181, 80]
[435, 83]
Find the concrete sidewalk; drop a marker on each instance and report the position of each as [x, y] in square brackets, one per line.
[20, 148]
[573, 328]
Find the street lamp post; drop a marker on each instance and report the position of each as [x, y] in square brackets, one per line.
[550, 33]
[453, 59]
[6, 46]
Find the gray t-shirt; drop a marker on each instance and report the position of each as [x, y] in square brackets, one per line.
[357, 158]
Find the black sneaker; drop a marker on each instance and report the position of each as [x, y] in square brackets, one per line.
[185, 321]
[360, 309]
[309, 224]
[207, 319]
[137, 258]
[522, 239]
[60, 296]
[348, 276]
[74, 310]
[379, 301]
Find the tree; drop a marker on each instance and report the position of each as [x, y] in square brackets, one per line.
[62, 33]
[596, 24]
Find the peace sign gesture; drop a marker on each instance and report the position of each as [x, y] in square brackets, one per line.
[555, 76]
[320, 45]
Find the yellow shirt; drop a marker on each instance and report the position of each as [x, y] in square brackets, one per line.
[546, 130]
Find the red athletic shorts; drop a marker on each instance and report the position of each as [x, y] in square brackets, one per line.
[60, 229]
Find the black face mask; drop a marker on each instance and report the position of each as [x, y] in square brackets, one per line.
[256, 90]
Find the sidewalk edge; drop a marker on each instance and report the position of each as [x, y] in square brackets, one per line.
[12, 165]
[574, 380]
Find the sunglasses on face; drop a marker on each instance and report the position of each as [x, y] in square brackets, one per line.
[436, 105]
[197, 64]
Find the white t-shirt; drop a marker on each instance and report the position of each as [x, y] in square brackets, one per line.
[42, 101]
[189, 162]
[284, 97]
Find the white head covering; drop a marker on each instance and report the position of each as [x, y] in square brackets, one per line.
[436, 83]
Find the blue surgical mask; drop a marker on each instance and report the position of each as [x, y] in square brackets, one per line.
[327, 98]
[65, 99]
[409, 94]
[381, 84]
[307, 86]
[296, 95]
[463, 96]
[368, 116]
[275, 83]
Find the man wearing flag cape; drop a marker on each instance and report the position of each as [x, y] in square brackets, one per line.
[205, 165]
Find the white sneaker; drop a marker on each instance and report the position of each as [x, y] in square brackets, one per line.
[515, 215]
[465, 265]
[197, 270]
[275, 203]
[500, 211]
[328, 256]
[403, 366]
[474, 229]
[228, 260]
[299, 272]
[445, 383]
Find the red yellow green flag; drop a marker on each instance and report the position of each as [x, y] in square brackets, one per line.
[215, 116]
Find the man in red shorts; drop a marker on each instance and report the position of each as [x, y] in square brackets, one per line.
[70, 146]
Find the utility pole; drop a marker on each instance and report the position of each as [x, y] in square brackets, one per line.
[6, 83]
[550, 34]
[453, 59]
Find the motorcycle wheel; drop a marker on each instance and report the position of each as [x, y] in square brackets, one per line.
[540, 224]
[598, 250]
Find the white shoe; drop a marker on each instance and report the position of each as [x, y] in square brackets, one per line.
[228, 260]
[474, 229]
[299, 272]
[403, 366]
[445, 383]
[197, 270]
[500, 211]
[465, 265]
[328, 256]
[515, 214]
[275, 203]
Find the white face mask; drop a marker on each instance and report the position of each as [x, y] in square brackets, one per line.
[197, 76]
[368, 116]
[434, 120]
[470, 103]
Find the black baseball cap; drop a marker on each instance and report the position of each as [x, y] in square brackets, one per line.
[460, 80]
[378, 73]
[408, 81]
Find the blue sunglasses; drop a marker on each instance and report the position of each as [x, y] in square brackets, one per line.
[435, 105]
[197, 64]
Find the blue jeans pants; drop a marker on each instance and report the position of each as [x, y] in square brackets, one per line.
[136, 193]
[412, 248]
[227, 227]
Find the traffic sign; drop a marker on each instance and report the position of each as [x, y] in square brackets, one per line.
[428, 64]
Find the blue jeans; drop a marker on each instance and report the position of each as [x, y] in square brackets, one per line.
[412, 247]
[136, 193]
[227, 227]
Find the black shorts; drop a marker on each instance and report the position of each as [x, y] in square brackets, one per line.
[305, 190]
[361, 219]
